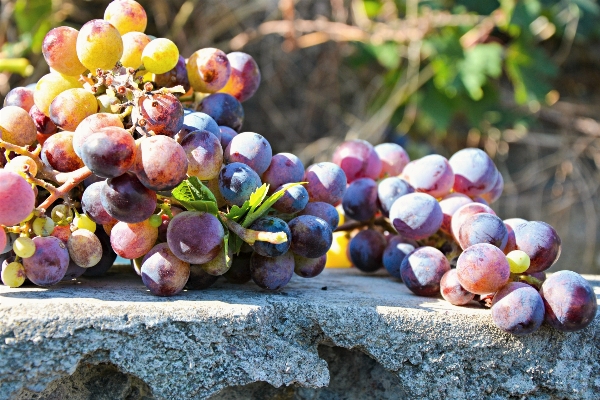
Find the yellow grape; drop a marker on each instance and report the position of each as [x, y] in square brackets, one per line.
[518, 261]
[20, 164]
[59, 51]
[99, 45]
[71, 107]
[133, 46]
[13, 274]
[126, 16]
[16, 126]
[43, 226]
[160, 55]
[337, 256]
[82, 221]
[50, 86]
[24, 247]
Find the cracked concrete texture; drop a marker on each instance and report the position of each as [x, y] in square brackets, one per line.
[198, 343]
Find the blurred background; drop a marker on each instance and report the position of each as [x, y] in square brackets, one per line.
[517, 78]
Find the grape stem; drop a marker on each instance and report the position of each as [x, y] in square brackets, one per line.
[250, 236]
[75, 178]
[380, 221]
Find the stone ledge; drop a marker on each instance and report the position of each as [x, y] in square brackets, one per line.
[198, 343]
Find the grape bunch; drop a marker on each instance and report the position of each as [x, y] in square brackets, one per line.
[429, 223]
[126, 133]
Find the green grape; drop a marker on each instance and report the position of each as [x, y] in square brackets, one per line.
[160, 55]
[155, 220]
[518, 261]
[51, 85]
[43, 226]
[13, 274]
[61, 213]
[99, 45]
[24, 247]
[82, 221]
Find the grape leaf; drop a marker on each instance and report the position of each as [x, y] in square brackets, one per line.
[255, 213]
[193, 195]
[236, 213]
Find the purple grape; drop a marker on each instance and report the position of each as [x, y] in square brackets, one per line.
[325, 211]
[474, 171]
[198, 121]
[284, 168]
[49, 263]
[109, 152]
[225, 109]
[185, 229]
[239, 272]
[569, 301]
[162, 113]
[416, 216]
[311, 236]
[200, 279]
[294, 200]
[226, 135]
[541, 243]
[495, 192]
[358, 159]
[164, 226]
[237, 182]
[483, 228]
[309, 267]
[460, 216]
[164, 273]
[74, 271]
[366, 250]
[360, 200]
[271, 272]
[91, 204]
[422, 270]
[518, 308]
[204, 154]
[511, 224]
[251, 149]
[177, 76]
[432, 174]
[482, 269]
[449, 205]
[245, 76]
[43, 123]
[395, 251]
[108, 256]
[126, 199]
[271, 224]
[452, 291]
[393, 159]
[389, 190]
[325, 182]
[20, 96]
[160, 162]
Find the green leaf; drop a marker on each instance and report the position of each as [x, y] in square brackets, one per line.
[194, 196]
[255, 214]
[480, 62]
[258, 196]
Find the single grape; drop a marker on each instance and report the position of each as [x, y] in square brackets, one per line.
[482, 269]
[162, 229]
[518, 308]
[272, 273]
[83, 221]
[271, 224]
[51, 85]
[393, 159]
[283, 168]
[227, 134]
[475, 172]
[452, 291]
[483, 228]
[251, 149]
[126, 16]
[569, 300]
[393, 254]
[91, 125]
[155, 220]
[432, 174]
[541, 243]
[389, 190]
[74, 271]
[237, 182]
[518, 261]
[84, 248]
[208, 70]
[108, 256]
[43, 123]
[224, 109]
[309, 267]
[133, 240]
[464, 212]
[16, 126]
[58, 153]
[71, 107]
[199, 279]
[204, 154]
[338, 254]
[245, 76]
[63, 232]
[160, 163]
[133, 46]
[162, 113]
[495, 192]
[366, 250]
[416, 216]
[126, 199]
[449, 205]
[24, 247]
[60, 213]
[184, 230]
[21, 165]
[360, 200]
[311, 236]
[49, 263]
[422, 270]
[60, 51]
[326, 182]
[13, 274]
[177, 76]
[358, 159]
[17, 198]
[325, 211]
[160, 56]
[99, 45]
[294, 200]
[198, 121]
[91, 204]
[163, 273]
[43, 226]
[19, 96]
[239, 272]
[220, 264]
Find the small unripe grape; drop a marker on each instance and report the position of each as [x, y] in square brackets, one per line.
[160, 55]
[60, 213]
[24, 247]
[518, 261]
[82, 221]
[155, 220]
[13, 274]
[43, 226]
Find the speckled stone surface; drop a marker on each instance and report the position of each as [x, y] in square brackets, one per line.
[109, 338]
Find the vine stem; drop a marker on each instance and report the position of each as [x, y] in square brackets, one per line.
[250, 236]
[75, 178]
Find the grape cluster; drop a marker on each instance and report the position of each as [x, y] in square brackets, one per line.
[428, 222]
[126, 133]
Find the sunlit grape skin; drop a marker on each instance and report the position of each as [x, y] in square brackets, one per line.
[59, 50]
[160, 162]
[163, 273]
[569, 300]
[366, 250]
[475, 172]
[483, 228]
[360, 200]
[271, 272]
[432, 174]
[271, 224]
[358, 159]
[43, 123]
[325, 211]
[162, 113]
[110, 152]
[482, 269]
[49, 263]
[99, 45]
[17, 198]
[452, 291]
[133, 46]
[84, 248]
[49, 86]
[326, 182]
[496, 191]
[184, 230]
[126, 199]
[422, 270]
[126, 16]
[245, 76]
[541, 243]
[251, 149]
[393, 159]
[204, 154]
[237, 182]
[19, 96]
[389, 190]
[449, 205]
[283, 168]
[160, 56]
[58, 153]
[293, 200]
[133, 240]
[518, 308]
[16, 126]
[91, 204]
[459, 217]
[71, 107]
[416, 216]
[208, 70]
[91, 125]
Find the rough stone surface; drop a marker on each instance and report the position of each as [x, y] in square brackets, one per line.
[109, 338]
